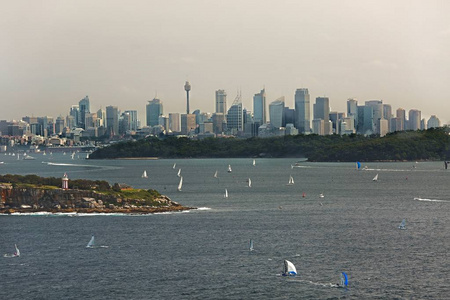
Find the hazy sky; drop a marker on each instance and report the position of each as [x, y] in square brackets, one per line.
[53, 53]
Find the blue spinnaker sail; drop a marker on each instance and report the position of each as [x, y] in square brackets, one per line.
[358, 165]
[344, 279]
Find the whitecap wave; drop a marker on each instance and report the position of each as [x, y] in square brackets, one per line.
[430, 200]
[204, 208]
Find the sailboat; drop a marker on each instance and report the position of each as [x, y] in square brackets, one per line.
[289, 269]
[250, 246]
[73, 155]
[321, 195]
[402, 224]
[215, 175]
[16, 254]
[375, 178]
[45, 153]
[358, 165]
[249, 182]
[174, 165]
[179, 172]
[226, 194]
[291, 180]
[91, 243]
[87, 155]
[180, 184]
[229, 169]
[344, 279]
[254, 163]
[144, 175]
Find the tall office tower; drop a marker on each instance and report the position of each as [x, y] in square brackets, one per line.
[433, 122]
[377, 107]
[85, 108]
[101, 117]
[75, 113]
[352, 110]
[289, 116]
[365, 123]
[154, 109]
[401, 114]
[414, 119]
[387, 114]
[59, 125]
[90, 120]
[235, 116]
[423, 124]
[71, 122]
[302, 111]
[396, 124]
[218, 121]
[259, 107]
[133, 125]
[187, 88]
[321, 110]
[347, 125]
[164, 122]
[221, 102]
[383, 126]
[318, 126]
[276, 113]
[187, 123]
[174, 122]
[112, 120]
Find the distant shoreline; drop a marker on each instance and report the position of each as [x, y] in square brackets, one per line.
[130, 211]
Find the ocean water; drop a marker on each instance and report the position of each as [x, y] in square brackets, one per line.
[203, 254]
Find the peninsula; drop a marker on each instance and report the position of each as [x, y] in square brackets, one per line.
[32, 193]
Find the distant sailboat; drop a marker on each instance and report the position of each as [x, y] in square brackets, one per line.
[358, 165]
[180, 184]
[250, 246]
[289, 269]
[402, 225]
[375, 178]
[16, 254]
[144, 175]
[73, 155]
[179, 172]
[215, 175]
[91, 243]
[229, 169]
[87, 155]
[291, 180]
[45, 153]
[174, 165]
[303, 195]
[226, 194]
[344, 279]
[249, 182]
[321, 195]
[254, 163]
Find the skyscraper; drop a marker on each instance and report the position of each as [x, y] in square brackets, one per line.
[75, 113]
[401, 115]
[221, 101]
[187, 88]
[187, 123]
[133, 122]
[153, 110]
[302, 111]
[414, 117]
[352, 110]
[259, 107]
[112, 120]
[321, 111]
[235, 116]
[276, 113]
[433, 122]
[85, 108]
[174, 122]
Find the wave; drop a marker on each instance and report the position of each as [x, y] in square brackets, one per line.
[430, 200]
[72, 165]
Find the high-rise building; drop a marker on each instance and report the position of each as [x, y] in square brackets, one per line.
[276, 113]
[221, 101]
[101, 118]
[75, 113]
[414, 117]
[218, 122]
[321, 110]
[318, 126]
[85, 108]
[133, 124]
[433, 122]
[365, 123]
[154, 109]
[396, 124]
[112, 120]
[401, 115]
[174, 122]
[187, 123]
[59, 125]
[302, 111]
[235, 116]
[377, 110]
[352, 110]
[259, 107]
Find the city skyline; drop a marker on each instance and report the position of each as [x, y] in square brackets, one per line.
[56, 53]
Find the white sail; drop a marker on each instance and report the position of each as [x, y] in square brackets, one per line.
[174, 165]
[91, 243]
[17, 253]
[87, 155]
[250, 247]
[180, 184]
[249, 182]
[291, 180]
[144, 175]
[375, 178]
[402, 224]
[229, 168]
[179, 172]
[44, 153]
[254, 163]
[321, 195]
[226, 194]
[73, 155]
[289, 269]
[215, 174]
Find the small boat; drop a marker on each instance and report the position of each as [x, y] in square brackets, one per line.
[254, 163]
[291, 180]
[226, 194]
[303, 195]
[289, 269]
[250, 246]
[344, 280]
[144, 175]
[16, 254]
[375, 178]
[358, 165]
[249, 182]
[28, 157]
[229, 169]
[2, 162]
[321, 195]
[91, 243]
[44, 153]
[87, 155]
[402, 225]
[180, 184]
[215, 174]
[179, 172]
[73, 155]
[174, 165]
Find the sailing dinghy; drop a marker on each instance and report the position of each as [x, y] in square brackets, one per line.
[344, 280]
[249, 182]
[291, 180]
[402, 225]
[229, 169]
[216, 175]
[226, 194]
[179, 172]
[16, 254]
[180, 184]
[375, 178]
[91, 243]
[144, 175]
[250, 246]
[289, 269]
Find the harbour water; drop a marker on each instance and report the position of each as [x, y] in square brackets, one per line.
[203, 254]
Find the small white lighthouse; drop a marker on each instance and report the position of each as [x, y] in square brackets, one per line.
[65, 182]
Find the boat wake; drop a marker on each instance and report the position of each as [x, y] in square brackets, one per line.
[331, 285]
[72, 165]
[430, 200]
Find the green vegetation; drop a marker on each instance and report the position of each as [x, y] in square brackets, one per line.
[432, 144]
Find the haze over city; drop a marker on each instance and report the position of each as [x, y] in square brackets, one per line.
[54, 53]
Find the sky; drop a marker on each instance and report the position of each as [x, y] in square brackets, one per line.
[124, 53]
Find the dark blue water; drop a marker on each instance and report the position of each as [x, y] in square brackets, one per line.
[203, 254]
